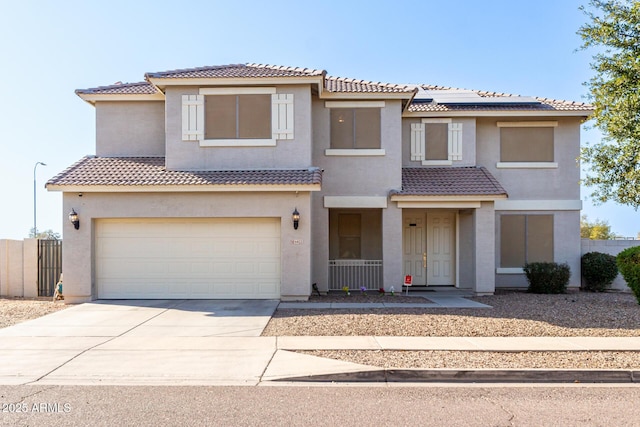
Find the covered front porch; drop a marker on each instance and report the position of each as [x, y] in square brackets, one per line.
[448, 228]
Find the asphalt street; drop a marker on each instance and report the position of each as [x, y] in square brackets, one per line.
[340, 405]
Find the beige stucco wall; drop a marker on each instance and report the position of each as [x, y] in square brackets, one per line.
[77, 263]
[19, 268]
[561, 183]
[484, 249]
[566, 247]
[468, 143]
[130, 128]
[290, 153]
[359, 176]
[611, 247]
[466, 249]
[11, 268]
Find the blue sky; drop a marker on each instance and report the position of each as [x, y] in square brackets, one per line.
[49, 49]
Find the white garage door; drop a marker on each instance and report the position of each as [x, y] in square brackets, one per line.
[220, 258]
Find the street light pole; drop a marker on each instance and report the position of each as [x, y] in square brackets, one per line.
[35, 229]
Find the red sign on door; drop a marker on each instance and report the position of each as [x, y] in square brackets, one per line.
[408, 280]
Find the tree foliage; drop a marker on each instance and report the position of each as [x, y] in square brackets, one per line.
[596, 230]
[47, 234]
[613, 30]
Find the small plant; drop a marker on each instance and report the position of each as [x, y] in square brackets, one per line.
[393, 291]
[346, 290]
[629, 266]
[381, 292]
[363, 290]
[547, 277]
[598, 271]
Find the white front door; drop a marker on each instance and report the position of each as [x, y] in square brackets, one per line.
[441, 241]
[429, 248]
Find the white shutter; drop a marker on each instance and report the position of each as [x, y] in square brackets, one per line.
[455, 141]
[417, 141]
[192, 117]
[282, 115]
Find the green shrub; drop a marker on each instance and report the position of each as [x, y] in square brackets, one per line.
[598, 271]
[629, 266]
[547, 277]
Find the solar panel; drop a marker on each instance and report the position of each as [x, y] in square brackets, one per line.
[469, 97]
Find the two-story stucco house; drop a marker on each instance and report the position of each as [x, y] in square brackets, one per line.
[256, 181]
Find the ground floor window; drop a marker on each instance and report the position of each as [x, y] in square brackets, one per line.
[525, 238]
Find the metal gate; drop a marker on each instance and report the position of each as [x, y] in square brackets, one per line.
[49, 266]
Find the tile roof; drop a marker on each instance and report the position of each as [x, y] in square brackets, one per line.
[449, 181]
[333, 84]
[150, 171]
[236, 71]
[546, 104]
[140, 88]
[340, 84]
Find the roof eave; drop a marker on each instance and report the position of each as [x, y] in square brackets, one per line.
[92, 98]
[197, 188]
[500, 113]
[446, 198]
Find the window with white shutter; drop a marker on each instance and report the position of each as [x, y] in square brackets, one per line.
[192, 117]
[282, 115]
[237, 117]
[436, 142]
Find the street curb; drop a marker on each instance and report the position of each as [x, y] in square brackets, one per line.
[475, 376]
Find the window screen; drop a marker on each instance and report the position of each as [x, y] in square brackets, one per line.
[355, 128]
[238, 117]
[436, 141]
[525, 238]
[522, 144]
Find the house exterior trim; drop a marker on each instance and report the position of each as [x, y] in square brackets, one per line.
[527, 165]
[440, 205]
[354, 104]
[93, 98]
[501, 113]
[355, 152]
[180, 188]
[355, 202]
[538, 205]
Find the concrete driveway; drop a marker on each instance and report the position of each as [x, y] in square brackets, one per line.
[146, 342]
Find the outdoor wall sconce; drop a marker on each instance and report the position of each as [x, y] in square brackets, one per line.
[73, 217]
[296, 218]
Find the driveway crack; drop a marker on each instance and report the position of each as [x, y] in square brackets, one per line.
[98, 345]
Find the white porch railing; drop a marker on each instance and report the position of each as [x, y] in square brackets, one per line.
[355, 273]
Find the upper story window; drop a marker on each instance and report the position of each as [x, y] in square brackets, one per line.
[219, 117]
[355, 128]
[436, 142]
[527, 144]
[237, 116]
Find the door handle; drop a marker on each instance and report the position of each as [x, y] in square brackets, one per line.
[424, 260]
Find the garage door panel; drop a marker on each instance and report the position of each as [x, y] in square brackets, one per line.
[199, 258]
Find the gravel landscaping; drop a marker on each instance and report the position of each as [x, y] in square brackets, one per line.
[513, 314]
[485, 359]
[17, 310]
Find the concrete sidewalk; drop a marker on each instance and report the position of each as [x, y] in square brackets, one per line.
[219, 343]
